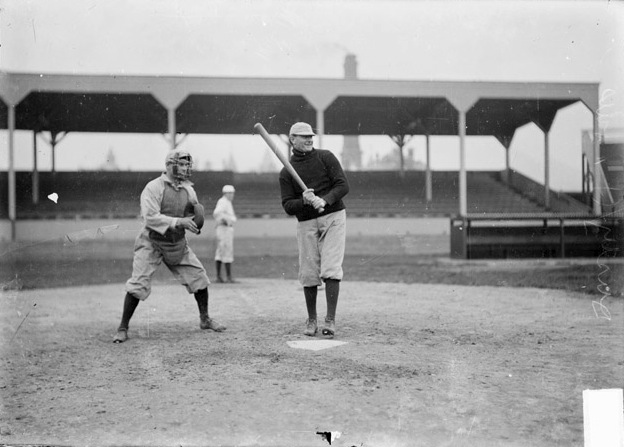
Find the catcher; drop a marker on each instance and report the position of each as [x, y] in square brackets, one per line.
[169, 208]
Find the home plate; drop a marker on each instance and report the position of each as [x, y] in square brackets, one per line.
[315, 345]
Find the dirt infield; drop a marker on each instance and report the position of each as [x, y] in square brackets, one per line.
[423, 365]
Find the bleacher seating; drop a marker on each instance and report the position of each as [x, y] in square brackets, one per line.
[389, 193]
[373, 193]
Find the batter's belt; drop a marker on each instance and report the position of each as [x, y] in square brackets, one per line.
[172, 244]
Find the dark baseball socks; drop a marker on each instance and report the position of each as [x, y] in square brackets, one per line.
[205, 322]
[218, 268]
[310, 298]
[130, 305]
[201, 296]
[332, 290]
[228, 271]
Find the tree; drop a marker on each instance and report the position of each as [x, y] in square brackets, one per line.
[401, 140]
[230, 164]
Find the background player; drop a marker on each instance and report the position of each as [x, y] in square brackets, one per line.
[320, 235]
[165, 202]
[225, 220]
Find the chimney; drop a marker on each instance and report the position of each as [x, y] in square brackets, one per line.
[351, 152]
[350, 67]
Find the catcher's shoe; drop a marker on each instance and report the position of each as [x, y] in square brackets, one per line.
[120, 336]
[311, 328]
[329, 329]
[209, 323]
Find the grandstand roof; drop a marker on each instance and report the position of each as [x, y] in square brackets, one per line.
[174, 104]
[90, 103]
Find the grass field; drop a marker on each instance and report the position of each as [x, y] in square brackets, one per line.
[410, 260]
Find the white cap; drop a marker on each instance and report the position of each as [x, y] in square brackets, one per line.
[228, 188]
[301, 129]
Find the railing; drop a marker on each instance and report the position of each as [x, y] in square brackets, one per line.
[593, 171]
[540, 235]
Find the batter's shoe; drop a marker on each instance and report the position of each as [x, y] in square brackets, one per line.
[311, 328]
[219, 279]
[209, 323]
[230, 280]
[120, 336]
[329, 329]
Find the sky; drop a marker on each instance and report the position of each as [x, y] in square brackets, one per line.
[541, 41]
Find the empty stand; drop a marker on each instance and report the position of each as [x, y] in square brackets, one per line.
[389, 194]
[374, 193]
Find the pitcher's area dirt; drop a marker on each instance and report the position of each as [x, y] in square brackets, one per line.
[423, 366]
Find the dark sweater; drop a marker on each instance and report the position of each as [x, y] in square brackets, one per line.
[320, 170]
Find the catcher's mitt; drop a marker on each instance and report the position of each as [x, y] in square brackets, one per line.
[197, 211]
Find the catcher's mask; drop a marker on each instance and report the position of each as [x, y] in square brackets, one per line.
[181, 164]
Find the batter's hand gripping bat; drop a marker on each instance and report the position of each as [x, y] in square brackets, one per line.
[269, 141]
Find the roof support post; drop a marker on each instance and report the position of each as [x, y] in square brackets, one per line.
[505, 140]
[463, 201]
[545, 125]
[546, 170]
[507, 168]
[320, 126]
[35, 173]
[597, 208]
[428, 186]
[462, 103]
[171, 98]
[11, 129]
[54, 140]
[171, 122]
[320, 100]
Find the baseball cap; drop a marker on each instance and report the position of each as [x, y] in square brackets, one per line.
[228, 188]
[301, 129]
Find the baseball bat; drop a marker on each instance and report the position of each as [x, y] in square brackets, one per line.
[282, 158]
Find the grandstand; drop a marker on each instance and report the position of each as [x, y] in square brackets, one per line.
[178, 106]
[507, 216]
[104, 194]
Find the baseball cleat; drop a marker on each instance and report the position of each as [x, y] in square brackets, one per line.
[209, 323]
[120, 336]
[329, 329]
[311, 328]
